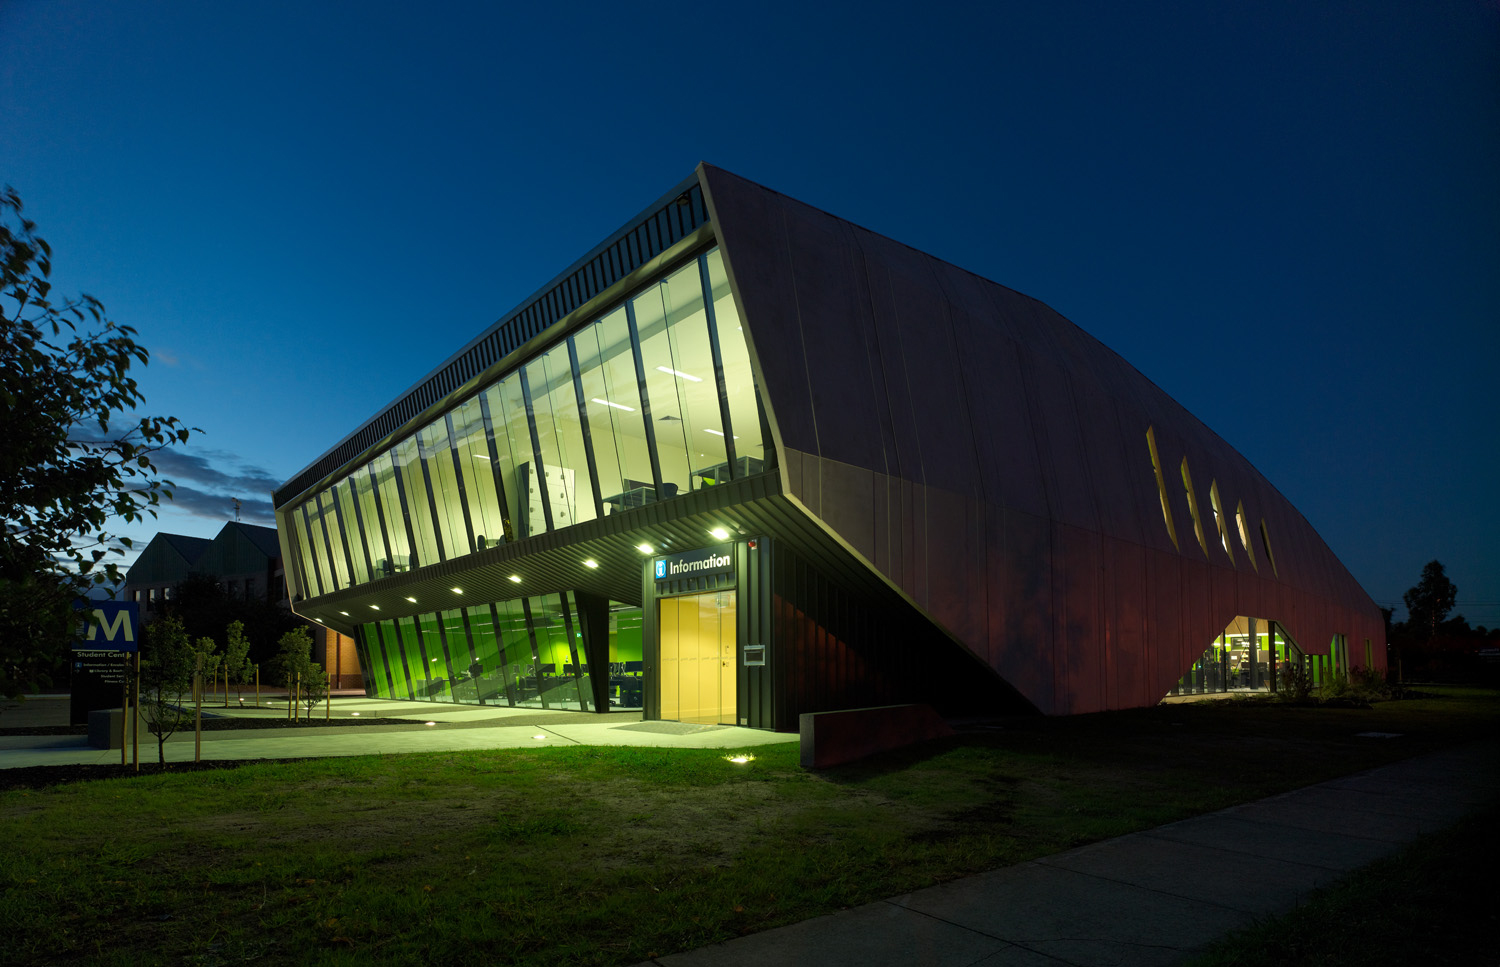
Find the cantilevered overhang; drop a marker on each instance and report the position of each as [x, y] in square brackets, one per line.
[548, 563]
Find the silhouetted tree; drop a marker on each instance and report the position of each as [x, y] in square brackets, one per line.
[1429, 603]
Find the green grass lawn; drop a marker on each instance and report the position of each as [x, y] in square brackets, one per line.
[608, 856]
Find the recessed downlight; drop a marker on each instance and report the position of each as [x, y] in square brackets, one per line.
[644, 548]
[411, 599]
[374, 607]
[719, 534]
[344, 613]
[591, 563]
[516, 578]
[457, 590]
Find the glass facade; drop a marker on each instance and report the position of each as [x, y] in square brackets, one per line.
[523, 653]
[651, 400]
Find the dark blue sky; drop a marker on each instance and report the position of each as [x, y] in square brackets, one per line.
[1286, 214]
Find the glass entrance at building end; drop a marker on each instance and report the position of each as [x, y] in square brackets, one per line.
[1250, 655]
[699, 658]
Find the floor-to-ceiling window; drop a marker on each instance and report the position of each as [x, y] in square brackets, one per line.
[653, 399]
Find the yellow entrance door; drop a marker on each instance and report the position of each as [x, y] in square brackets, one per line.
[698, 658]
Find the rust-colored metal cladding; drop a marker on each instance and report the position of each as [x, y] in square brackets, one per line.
[989, 460]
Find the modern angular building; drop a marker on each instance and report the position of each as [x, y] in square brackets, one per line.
[745, 460]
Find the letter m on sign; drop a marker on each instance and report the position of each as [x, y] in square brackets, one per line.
[114, 625]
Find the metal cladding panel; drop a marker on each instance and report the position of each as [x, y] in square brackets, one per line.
[903, 455]
[881, 534]
[1010, 493]
[1199, 623]
[836, 325]
[1055, 419]
[1126, 563]
[955, 565]
[1004, 444]
[1164, 622]
[1023, 565]
[752, 236]
[939, 403]
[1075, 618]
[848, 502]
[1116, 481]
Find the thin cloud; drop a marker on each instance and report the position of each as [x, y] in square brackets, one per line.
[214, 469]
[205, 483]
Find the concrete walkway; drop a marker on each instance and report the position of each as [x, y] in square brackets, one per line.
[1149, 898]
[452, 728]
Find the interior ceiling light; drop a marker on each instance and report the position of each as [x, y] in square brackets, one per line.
[412, 600]
[719, 533]
[480, 456]
[591, 563]
[374, 607]
[677, 372]
[718, 432]
[457, 590]
[516, 578]
[618, 406]
[344, 613]
[643, 548]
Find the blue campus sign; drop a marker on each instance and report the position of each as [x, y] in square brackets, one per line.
[115, 627]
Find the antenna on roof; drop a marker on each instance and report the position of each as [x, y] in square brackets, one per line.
[236, 501]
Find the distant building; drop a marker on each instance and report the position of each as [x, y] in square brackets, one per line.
[745, 460]
[245, 560]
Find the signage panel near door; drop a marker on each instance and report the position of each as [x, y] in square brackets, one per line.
[718, 559]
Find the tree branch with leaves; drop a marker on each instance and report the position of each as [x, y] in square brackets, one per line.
[74, 454]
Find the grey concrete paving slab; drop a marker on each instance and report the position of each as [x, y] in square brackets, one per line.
[1239, 881]
[1352, 797]
[874, 934]
[1285, 843]
[1077, 918]
[1349, 820]
[1470, 793]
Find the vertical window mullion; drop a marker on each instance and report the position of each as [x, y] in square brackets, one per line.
[640, 376]
[511, 694]
[536, 653]
[713, 347]
[437, 527]
[338, 513]
[385, 537]
[578, 677]
[359, 522]
[538, 469]
[458, 476]
[507, 533]
[583, 422]
[312, 562]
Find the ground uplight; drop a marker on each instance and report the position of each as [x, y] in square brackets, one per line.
[740, 759]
